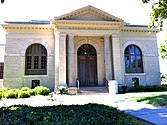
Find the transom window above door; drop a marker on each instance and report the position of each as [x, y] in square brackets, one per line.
[133, 59]
[86, 49]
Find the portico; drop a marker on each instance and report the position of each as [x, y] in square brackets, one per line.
[103, 61]
[97, 29]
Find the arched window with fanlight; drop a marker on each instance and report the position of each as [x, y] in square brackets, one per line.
[36, 60]
[133, 59]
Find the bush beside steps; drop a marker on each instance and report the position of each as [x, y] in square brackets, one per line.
[24, 92]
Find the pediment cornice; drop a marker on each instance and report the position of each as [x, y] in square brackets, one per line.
[89, 9]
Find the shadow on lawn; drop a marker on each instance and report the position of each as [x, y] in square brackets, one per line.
[88, 114]
[159, 100]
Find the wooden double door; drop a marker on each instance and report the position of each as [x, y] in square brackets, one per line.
[87, 65]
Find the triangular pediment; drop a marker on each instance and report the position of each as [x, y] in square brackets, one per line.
[89, 13]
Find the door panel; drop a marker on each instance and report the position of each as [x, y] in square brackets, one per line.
[92, 73]
[87, 68]
[82, 71]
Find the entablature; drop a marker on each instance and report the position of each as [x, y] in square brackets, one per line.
[27, 27]
[86, 25]
[139, 29]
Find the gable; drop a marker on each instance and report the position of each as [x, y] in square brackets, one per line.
[89, 13]
[88, 16]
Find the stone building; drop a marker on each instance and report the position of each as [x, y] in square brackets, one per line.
[87, 43]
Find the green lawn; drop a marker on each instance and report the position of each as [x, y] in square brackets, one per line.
[155, 98]
[89, 114]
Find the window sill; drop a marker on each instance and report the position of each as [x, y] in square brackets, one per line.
[135, 74]
[30, 76]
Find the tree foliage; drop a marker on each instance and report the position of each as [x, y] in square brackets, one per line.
[2, 1]
[163, 49]
[159, 12]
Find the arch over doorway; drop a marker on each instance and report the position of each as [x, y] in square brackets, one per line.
[87, 65]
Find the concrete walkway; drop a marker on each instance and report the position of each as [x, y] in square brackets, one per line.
[147, 112]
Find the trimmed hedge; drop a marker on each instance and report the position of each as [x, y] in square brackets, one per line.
[41, 90]
[154, 88]
[2, 90]
[32, 92]
[12, 93]
[89, 114]
[24, 92]
[25, 89]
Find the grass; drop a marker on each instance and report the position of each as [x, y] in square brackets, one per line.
[88, 114]
[154, 98]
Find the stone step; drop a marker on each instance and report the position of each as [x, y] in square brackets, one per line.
[93, 91]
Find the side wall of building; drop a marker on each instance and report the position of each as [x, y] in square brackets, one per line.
[147, 42]
[16, 44]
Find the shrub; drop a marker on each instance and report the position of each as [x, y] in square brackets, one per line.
[23, 94]
[12, 93]
[25, 89]
[154, 88]
[62, 89]
[41, 90]
[32, 91]
[149, 89]
[2, 90]
[139, 88]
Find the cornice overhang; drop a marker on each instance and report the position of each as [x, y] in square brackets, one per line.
[139, 29]
[80, 24]
[26, 27]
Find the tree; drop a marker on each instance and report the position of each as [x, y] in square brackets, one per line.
[159, 12]
[2, 1]
[163, 49]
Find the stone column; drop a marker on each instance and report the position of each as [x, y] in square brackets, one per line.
[117, 58]
[107, 57]
[71, 68]
[60, 59]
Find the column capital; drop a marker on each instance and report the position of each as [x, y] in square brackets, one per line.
[115, 35]
[62, 34]
[71, 34]
[107, 35]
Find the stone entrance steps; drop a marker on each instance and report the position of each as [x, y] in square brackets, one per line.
[93, 91]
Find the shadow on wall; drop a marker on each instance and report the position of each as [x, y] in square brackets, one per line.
[1, 83]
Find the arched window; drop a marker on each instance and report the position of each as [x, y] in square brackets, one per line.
[36, 60]
[133, 59]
